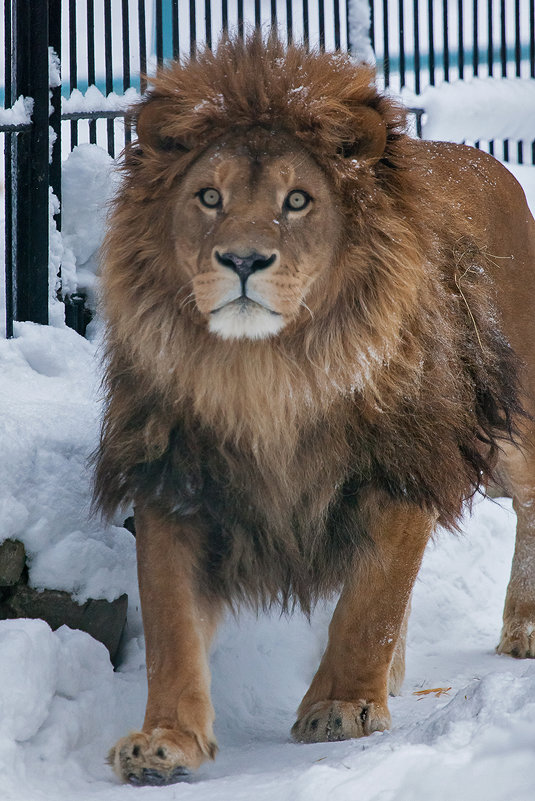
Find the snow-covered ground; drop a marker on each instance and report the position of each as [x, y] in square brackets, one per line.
[62, 705]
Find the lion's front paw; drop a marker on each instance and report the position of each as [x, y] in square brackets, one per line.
[518, 634]
[164, 756]
[328, 721]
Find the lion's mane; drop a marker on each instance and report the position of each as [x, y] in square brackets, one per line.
[274, 454]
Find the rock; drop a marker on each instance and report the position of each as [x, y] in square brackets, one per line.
[12, 562]
[103, 620]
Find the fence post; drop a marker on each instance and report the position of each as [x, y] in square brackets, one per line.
[54, 30]
[29, 158]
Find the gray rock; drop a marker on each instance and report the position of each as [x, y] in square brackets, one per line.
[103, 620]
[12, 562]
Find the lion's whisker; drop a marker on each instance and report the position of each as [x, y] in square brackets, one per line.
[309, 310]
[188, 299]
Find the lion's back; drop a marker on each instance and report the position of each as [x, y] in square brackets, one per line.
[482, 200]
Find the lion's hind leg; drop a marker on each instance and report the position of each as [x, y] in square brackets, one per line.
[518, 632]
[348, 696]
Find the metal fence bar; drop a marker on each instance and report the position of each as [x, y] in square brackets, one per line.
[92, 115]
[73, 69]
[401, 16]
[490, 45]
[306, 26]
[445, 40]
[8, 186]
[518, 43]
[532, 57]
[518, 60]
[386, 57]
[18, 127]
[192, 29]
[460, 37]
[289, 21]
[109, 71]
[29, 160]
[503, 60]
[321, 15]
[416, 25]
[240, 19]
[159, 32]
[90, 9]
[372, 24]
[54, 8]
[125, 27]
[503, 40]
[8, 244]
[431, 40]
[337, 37]
[475, 43]
[532, 38]
[207, 22]
[475, 38]
[142, 28]
[490, 52]
[175, 28]
[125, 19]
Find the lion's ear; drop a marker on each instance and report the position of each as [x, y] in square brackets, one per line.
[154, 125]
[370, 135]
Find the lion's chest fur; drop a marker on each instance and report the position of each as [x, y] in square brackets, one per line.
[272, 525]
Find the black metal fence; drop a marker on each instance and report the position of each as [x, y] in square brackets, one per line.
[27, 169]
[421, 43]
[133, 37]
[427, 42]
[110, 45]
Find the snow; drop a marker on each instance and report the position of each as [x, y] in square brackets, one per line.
[94, 100]
[84, 213]
[359, 31]
[467, 109]
[48, 428]
[20, 112]
[61, 704]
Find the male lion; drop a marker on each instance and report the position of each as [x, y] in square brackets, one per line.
[317, 330]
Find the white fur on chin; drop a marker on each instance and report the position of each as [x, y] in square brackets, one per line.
[245, 321]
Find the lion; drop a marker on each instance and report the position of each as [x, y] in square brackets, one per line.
[320, 347]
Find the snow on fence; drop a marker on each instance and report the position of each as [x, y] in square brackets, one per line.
[106, 47]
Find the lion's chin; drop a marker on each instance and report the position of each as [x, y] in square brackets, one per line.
[245, 319]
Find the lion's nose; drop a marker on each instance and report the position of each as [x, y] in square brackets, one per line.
[245, 265]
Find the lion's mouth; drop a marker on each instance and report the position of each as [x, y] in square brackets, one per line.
[244, 305]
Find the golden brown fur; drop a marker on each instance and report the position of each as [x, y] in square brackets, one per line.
[311, 442]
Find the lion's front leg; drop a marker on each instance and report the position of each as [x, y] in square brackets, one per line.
[177, 734]
[348, 695]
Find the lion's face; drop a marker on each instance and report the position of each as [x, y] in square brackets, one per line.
[255, 228]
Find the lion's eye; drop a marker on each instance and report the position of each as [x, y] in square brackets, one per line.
[297, 200]
[210, 197]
